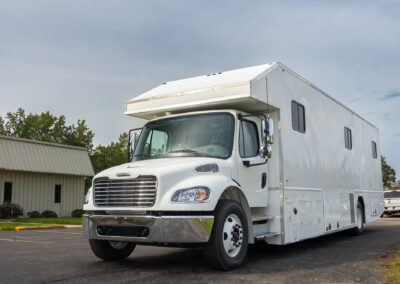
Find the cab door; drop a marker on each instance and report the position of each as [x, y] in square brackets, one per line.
[252, 168]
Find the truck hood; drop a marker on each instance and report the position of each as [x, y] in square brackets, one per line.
[162, 167]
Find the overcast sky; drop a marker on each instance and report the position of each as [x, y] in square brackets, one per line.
[84, 59]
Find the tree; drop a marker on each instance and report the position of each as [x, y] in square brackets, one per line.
[46, 127]
[388, 173]
[116, 153]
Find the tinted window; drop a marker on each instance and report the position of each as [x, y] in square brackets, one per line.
[57, 193]
[392, 194]
[7, 192]
[348, 141]
[298, 117]
[248, 139]
[374, 150]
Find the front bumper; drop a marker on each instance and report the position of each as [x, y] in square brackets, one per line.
[153, 229]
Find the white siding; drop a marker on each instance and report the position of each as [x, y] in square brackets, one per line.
[35, 191]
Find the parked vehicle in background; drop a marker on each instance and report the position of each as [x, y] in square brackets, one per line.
[392, 201]
[229, 158]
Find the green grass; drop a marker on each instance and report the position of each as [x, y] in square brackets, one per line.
[9, 226]
[391, 267]
[61, 220]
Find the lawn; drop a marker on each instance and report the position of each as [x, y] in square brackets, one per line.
[60, 221]
[391, 267]
[9, 226]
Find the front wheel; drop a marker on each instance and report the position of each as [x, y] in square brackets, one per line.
[227, 246]
[111, 250]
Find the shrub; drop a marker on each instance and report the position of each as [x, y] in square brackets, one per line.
[77, 213]
[49, 214]
[35, 214]
[10, 210]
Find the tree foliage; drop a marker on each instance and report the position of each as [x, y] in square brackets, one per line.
[388, 173]
[46, 127]
[116, 153]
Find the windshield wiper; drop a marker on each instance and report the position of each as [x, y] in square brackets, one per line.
[188, 151]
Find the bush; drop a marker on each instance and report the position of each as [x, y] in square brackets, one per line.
[49, 214]
[35, 214]
[77, 213]
[10, 210]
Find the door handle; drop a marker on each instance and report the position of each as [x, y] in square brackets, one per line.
[263, 180]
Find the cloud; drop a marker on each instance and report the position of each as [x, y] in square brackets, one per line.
[84, 60]
[390, 96]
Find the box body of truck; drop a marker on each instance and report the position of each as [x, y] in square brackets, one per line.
[320, 174]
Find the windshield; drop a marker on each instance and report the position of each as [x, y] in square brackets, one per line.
[392, 194]
[207, 135]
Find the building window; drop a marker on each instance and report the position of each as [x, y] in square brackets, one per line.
[57, 193]
[7, 192]
[374, 150]
[348, 140]
[248, 139]
[298, 117]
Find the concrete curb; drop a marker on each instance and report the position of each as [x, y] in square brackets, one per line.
[72, 226]
[39, 227]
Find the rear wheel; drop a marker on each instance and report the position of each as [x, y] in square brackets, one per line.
[111, 250]
[228, 242]
[358, 230]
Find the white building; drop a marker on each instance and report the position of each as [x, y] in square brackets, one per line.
[43, 176]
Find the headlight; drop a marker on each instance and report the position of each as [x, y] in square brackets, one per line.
[87, 196]
[194, 194]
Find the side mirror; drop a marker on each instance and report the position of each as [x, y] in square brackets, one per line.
[267, 139]
[132, 140]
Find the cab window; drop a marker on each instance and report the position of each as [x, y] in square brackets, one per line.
[248, 139]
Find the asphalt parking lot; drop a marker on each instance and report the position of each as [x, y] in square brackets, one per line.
[63, 255]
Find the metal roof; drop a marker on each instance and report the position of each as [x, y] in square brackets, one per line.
[19, 154]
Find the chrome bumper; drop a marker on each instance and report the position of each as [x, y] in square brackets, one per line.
[164, 229]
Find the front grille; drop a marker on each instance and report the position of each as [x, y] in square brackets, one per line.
[138, 192]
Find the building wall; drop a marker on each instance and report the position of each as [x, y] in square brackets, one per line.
[36, 191]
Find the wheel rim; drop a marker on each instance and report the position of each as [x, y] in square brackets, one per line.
[117, 245]
[232, 235]
[359, 218]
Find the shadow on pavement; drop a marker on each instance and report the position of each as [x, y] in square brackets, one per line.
[261, 257]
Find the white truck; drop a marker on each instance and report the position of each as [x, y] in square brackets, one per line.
[230, 158]
[392, 201]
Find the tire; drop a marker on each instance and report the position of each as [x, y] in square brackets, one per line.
[111, 251]
[359, 229]
[227, 246]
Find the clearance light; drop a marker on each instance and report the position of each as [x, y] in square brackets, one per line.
[194, 194]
